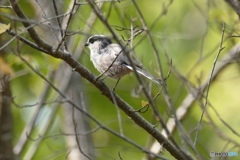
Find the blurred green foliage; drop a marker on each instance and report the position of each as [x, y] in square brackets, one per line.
[189, 33]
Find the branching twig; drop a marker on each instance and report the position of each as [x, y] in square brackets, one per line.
[85, 73]
[208, 84]
[76, 137]
[29, 127]
[60, 92]
[231, 57]
[165, 89]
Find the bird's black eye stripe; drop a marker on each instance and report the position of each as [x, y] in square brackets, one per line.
[105, 40]
[93, 39]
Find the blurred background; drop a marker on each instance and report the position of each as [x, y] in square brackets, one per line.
[37, 122]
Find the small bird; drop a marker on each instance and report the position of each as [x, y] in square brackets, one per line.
[103, 55]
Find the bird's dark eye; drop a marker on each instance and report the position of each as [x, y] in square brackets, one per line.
[91, 40]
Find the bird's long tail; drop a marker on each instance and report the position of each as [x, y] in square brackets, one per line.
[145, 74]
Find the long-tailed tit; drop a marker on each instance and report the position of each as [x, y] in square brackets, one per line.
[109, 59]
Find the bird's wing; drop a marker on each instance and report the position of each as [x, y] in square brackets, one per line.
[123, 57]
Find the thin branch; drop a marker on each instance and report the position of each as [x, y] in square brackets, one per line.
[208, 85]
[124, 106]
[58, 20]
[118, 114]
[224, 122]
[24, 40]
[141, 121]
[64, 34]
[166, 92]
[100, 1]
[20, 145]
[218, 130]
[100, 85]
[235, 5]
[48, 22]
[231, 57]
[76, 137]
[6, 7]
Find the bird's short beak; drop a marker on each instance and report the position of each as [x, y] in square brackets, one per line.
[86, 44]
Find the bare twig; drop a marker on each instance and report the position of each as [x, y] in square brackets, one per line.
[235, 5]
[105, 91]
[100, 1]
[29, 127]
[165, 89]
[48, 22]
[209, 82]
[180, 154]
[231, 57]
[6, 7]
[76, 137]
[63, 34]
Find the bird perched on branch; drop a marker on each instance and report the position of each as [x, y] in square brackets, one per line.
[110, 59]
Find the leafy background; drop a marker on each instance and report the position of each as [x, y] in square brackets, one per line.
[188, 32]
